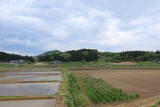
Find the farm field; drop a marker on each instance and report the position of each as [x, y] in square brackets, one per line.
[27, 87]
[144, 82]
[80, 84]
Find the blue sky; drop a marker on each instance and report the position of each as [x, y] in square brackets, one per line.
[35, 26]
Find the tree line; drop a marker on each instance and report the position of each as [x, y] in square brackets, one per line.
[136, 56]
[86, 55]
[6, 57]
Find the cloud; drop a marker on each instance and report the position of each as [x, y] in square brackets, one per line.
[139, 35]
[18, 41]
[60, 33]
[35, 26]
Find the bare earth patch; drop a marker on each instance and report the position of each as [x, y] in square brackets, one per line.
[125, 63]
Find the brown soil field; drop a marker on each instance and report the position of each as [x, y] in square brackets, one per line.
[145, 82]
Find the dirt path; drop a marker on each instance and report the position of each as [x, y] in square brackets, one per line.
[141, 103]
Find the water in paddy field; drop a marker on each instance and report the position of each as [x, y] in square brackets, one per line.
[29, 103]
[45, 78]
[27, 78]
[29, 89]
[6, 77]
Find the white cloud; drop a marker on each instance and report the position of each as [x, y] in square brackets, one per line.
[69, 24]
[60, 33]
[138, 37]
[17, 52]
[23, 42]
[78, 22]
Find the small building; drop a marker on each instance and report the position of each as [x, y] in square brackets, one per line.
[17, 61]
[56, 62]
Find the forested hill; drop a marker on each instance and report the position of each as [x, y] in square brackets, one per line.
[6, 57]
[93, 55]
[73, 55]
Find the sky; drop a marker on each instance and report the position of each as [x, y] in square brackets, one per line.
[31, 27]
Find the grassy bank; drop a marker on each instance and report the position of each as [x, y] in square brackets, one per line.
[156, 105]
[28, 97]
[32, 66]
[97, 64]
[7, 66]
[103, 64]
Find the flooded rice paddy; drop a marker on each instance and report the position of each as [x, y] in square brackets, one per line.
[47, 78]
[29, 103]
[19, 78]
[36, 83]
[27, 89]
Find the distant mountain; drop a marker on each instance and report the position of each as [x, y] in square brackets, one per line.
[50, 53]
[47, 56]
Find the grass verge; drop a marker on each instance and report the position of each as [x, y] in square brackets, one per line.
[156, 105]
[28, 97]
[32, 66]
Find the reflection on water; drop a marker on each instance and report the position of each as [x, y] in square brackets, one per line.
[29, 89]
[6, 77]
[45, 78]
[22, 89]
[29, 103]
[19, 78]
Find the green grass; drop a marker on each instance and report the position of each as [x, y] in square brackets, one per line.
[7, 66]
[74, 95]
[26, 66]
[103, 64]
[98, 64]
[148, 63]
[99, 91]
[12, 97]
[73, 64]
[156, 105]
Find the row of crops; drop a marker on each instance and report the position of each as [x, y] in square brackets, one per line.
[75, 95]
[83, 90]
[100, 92]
